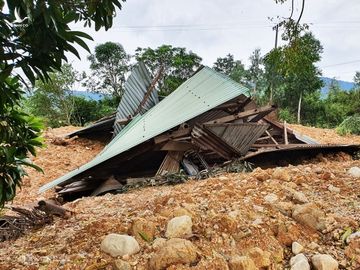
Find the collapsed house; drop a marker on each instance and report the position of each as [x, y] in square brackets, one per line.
[207, 121]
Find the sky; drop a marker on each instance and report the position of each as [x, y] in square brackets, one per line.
[214, 28]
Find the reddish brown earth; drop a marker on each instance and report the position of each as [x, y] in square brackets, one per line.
[230, 213]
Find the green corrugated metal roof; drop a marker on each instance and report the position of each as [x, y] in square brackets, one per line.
[202, 92]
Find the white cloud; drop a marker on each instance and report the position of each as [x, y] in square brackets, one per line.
[213, 28]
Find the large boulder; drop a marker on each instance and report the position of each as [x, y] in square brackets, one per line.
[119, 245]
[241, 263]
[324, 262]
[179, 227]
[174, 251]
[309, 215]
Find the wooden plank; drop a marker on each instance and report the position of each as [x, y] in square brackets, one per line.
[149, 90]
[177, 146]
[285, 134]
[243, 115]
[271, 137]
[172, 135]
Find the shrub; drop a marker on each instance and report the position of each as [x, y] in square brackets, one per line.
[350, 125]
[286, 115]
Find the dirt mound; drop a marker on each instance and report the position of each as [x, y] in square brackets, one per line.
[314, 204]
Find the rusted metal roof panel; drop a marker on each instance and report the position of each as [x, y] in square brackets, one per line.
[136, 87]
[207, 140]
[240, 136]
[202, 92]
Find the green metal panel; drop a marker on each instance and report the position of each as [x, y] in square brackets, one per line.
[200, 93]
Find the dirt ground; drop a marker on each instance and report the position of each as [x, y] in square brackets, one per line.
[231, 213]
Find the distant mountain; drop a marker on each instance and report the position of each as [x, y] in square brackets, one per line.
[346, 86]
[88, 95]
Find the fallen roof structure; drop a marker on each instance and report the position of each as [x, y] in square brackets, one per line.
[208, 120]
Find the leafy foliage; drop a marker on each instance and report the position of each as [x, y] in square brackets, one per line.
[177, 64]
[350, 125]
[232, 68]
[109, 65]
[34, 37]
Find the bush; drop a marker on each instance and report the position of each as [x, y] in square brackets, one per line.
[286, 115]
[350, 125]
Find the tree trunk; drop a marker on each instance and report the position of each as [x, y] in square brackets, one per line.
[299, 109]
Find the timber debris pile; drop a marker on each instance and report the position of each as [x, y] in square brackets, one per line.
[208, 121]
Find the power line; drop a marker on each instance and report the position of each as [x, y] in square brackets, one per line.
[340, 64]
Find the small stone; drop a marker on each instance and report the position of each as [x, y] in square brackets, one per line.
[296, 248]
[313, 246]
[281, 174]
[271, 198]
[299, 197]
[121, 265]
[318, 170]
[309, 215]
[353, 236]
[260, 257]
[241, 263]
[179, 227]
[285, 208]
[158, 242]
[261, 174]
[354, 172]
[299, 262]
[174, 251]
[324, 262]
[257, 222]
[119, 245]
[333, 189]
[143, 230]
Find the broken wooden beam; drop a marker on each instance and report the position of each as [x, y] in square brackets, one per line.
[243, 115]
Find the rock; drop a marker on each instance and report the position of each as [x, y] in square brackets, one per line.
[158, 243]
[354, 172]
[143, 230]
[333, 189]
[241, 263]
[299, 262]
[260, 257]
[318, 170]
[281, 174]
[257, 222]
[119, 245]
[285, 208]
[225, 223]
[353, 236]
[181, 211]
[271, 198]
[121, 265]
[261, 175]
[179, 227]
[299, 197]
[309, 215]
[313, 246]
[174, 251]
[324, 262]
[296, 248]
[286, 234]
[352, 251]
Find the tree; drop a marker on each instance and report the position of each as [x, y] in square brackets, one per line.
[109, 65]
[35, 35]
[53, 100]
[176, 63]
[357, 79]
[255, 72]
[232, 68]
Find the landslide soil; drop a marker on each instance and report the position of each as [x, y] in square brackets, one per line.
[229, 212]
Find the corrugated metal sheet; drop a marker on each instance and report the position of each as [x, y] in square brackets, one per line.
[135, 88]
[207, 140]
[240, 136]
[99, 126]
[202, 92]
